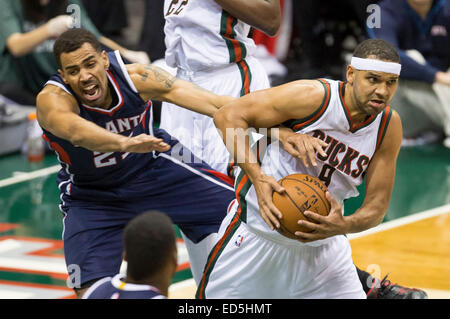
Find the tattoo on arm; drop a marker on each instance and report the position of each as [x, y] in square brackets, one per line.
[159, 75]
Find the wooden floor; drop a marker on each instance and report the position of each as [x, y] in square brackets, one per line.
[415, 254]
[414, 251]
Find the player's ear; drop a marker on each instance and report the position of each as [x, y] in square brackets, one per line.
[62, 76]
[105, 59]
[350, 74]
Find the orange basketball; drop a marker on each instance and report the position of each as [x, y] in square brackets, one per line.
[303, 192]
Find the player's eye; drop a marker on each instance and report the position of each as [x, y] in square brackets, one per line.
[392, 82]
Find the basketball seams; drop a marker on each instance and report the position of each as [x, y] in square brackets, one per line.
[323, 202]
[294, 203]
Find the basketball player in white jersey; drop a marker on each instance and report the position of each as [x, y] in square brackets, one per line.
[207, 43]
[363, 138]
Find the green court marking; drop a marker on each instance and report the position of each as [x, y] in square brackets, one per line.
[422, 182]
[182, 275]
[18, 163]
[32, 278]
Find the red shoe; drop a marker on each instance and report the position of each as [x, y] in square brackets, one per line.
[387, 290]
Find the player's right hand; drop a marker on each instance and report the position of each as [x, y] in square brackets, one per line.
[264, 187]
[144, 143]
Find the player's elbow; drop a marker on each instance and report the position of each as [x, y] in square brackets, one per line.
[219, 117]
[15, 46]
[76, 139]
[224, 117]
[271, 25]
[272, 20]
[16, 52]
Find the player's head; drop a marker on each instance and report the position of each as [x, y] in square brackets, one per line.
[82, 65]
[150, 247]
[373, 75]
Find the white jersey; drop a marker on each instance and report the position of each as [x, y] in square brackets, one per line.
[350, 149]
[200, 35]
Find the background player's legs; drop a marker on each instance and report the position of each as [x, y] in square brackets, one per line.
[198, 254]
[200, 251]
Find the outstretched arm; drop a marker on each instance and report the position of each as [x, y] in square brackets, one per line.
[261, 14]
[57, 112]
[155, 83]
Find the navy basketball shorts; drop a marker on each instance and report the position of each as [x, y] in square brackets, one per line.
[193, 195]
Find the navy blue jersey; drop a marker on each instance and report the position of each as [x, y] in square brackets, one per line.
[101, 193]
[403, 27]
[116, 288]
[131, 116]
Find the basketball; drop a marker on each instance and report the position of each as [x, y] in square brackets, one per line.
[303, 192]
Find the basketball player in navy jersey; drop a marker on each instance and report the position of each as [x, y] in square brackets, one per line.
[151, 252]
[95, 113]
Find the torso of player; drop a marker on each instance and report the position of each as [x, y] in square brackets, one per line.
[116, 288]
[200, 35]
[129, 115]
[350, 149]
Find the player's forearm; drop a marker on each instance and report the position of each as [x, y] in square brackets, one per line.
[261, 14]
[20, 44]
[92, 137]
[235, 134]
[365, 218]
[193, 97]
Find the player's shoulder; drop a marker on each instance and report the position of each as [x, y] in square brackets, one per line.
[395, 122]
[53, 97]
[391, 132]
[52, 91]
[309, 91]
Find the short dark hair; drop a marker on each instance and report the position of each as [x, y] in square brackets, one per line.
[379, 48]
[72, 40]
[149, 242]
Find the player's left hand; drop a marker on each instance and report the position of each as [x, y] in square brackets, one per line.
[323, 226]
[301, 146]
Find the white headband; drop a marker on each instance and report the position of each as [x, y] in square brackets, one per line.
[376, 65]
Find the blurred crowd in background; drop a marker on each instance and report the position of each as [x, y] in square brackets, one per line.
[316, 40]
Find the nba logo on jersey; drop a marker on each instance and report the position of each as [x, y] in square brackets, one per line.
[68, 189]
[239, 240]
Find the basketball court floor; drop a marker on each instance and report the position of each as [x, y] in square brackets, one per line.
[412, 244]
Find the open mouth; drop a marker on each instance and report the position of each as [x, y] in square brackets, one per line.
[376, 103]
[91, 92]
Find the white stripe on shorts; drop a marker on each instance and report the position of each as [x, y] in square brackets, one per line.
[193, 170]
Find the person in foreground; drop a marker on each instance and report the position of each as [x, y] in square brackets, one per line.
[352, 134]
[150, 250]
